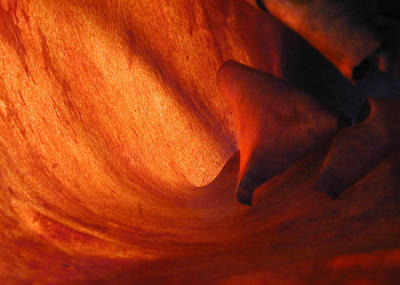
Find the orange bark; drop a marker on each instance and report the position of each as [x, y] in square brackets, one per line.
[119, 158]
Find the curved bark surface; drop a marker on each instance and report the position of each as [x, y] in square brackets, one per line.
[119, 158]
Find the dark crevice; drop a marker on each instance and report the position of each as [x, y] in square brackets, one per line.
[365, 111]
[366, 67]
[344, 122]
[260, 4]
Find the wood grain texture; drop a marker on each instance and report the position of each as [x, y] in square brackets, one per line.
[119, 158]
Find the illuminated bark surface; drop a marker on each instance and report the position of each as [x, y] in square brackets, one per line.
[119, 157]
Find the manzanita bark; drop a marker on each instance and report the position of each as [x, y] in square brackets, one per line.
[119, 157]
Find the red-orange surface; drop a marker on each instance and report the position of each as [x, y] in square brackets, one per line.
[119, 156]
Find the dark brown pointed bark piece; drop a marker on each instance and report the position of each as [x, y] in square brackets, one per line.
[358, 149]
[277, 123]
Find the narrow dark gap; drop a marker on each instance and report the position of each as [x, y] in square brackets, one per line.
[260, 4]
[363, 69]
[364, 112]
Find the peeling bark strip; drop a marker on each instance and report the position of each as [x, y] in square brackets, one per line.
[277, 124]
[357, 150]
[334, 29]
